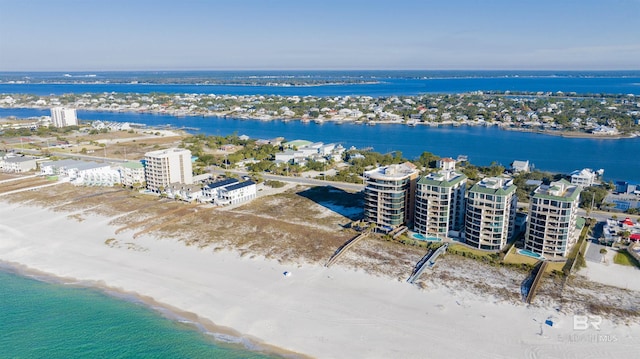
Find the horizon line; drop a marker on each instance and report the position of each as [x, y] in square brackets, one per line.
[321, 69]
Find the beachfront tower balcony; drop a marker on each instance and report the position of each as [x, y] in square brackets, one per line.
[389, 195]
[490, 213]
[553, 219]
[440, 204]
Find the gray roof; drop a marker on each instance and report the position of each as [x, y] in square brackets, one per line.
[79, 165]
[19, 159]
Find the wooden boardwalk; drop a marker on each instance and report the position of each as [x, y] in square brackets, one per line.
[345, 247]
[427, 262]
[536, 282]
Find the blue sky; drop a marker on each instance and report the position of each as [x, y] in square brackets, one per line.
[68, 35]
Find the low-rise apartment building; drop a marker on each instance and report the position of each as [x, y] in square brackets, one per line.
[18, 164]
[84, 173]
[132, 173]
[237, 193]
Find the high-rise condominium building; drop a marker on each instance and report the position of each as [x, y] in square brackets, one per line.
[61, 117]
[490, 213]
[165, 167]
[440, 204]
[552, 219]
[389, 195]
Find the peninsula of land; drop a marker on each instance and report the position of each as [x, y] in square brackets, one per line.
[599, 116]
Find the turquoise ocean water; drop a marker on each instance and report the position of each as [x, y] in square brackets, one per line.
[41, 319]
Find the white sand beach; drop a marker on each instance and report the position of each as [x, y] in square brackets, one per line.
[318, 312]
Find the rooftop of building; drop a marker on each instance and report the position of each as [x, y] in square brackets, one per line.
[558, 190]
[167, 152]
[533, 182]
[75, 164]
[518, 163]
[225, 182]
[133, 165]
[442, 178]
[585, 172]
[297, 143]
[394, 171]
[239, 185]
[494, 185]
[18, 159]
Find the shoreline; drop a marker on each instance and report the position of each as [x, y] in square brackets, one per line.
[339, 121]
[321, 312]
[216, 333]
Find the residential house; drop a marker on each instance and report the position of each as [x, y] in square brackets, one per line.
[520, 166]
[585, 177]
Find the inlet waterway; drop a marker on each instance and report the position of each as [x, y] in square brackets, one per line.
[483, 145]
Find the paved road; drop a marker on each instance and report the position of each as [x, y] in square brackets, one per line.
[593, 252]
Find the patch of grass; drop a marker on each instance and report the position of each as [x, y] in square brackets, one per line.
[625, 259]
[275, 184]
[554, 267]
[513, 258]
[415, 243]
[468, 252]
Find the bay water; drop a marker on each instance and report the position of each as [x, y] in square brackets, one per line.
[483, 145]
[336, 83]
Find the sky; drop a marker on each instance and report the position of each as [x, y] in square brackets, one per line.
[82, 35]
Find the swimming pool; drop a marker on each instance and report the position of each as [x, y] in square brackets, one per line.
[421, 237]
[528, 253]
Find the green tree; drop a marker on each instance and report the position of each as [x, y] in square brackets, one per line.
[427, 160]
[592, 195]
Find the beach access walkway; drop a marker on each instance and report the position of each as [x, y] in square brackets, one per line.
[536, 282]
[25, 183]
[427, 262]
[350, 243]
[17, 179]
